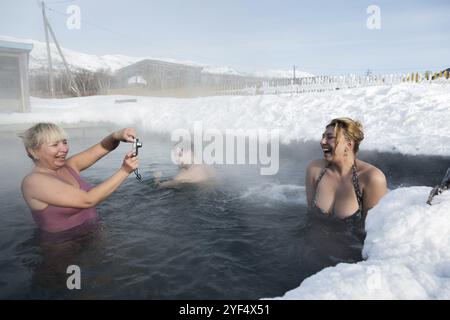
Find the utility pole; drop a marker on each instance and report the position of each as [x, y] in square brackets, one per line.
[69, 74]
[49, 56]
[72, 83]
[294, 73]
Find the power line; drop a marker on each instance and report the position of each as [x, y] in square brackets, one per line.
[122, 35]
[59, 2]
[87, 22]
[129, 36]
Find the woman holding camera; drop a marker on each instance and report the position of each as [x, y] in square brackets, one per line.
[58, 197]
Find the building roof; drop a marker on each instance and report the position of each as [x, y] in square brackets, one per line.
[16, 46]
[158, 63]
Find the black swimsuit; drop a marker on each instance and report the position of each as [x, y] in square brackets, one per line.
[332, 239]
[355, 217]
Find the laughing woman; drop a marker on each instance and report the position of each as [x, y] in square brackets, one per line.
[57, 196]
[340, 186]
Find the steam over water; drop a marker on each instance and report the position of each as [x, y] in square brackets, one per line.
[246, 237]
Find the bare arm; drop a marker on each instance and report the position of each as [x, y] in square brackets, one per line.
[46, 189]
[374, 190]
[165, 184]
[311, 171]
[87, 158]
[195, 174]
[182, 177]
[169, 184]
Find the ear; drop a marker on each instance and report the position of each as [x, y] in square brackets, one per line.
[32, 154]
[350, 144]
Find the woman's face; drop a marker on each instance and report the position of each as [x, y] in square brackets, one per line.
[331, 149]
[52, 155]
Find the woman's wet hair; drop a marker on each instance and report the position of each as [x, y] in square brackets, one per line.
[42, 133]
[352, 130]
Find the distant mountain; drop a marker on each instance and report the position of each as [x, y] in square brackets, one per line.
[111, 63]
[79, 60]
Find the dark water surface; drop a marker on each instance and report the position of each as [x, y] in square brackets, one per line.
[247, 237]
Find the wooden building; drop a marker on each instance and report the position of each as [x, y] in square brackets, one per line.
[155, 75]
[14, 88]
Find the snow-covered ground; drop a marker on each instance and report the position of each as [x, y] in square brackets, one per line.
[406, 251]
[407, 118]
[407, 240]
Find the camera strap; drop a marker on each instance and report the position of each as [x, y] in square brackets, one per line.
[136, 145]
[137, 174]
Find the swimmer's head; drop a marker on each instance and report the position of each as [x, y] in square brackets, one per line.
[182, 155]
[41, 133]
[351, 130]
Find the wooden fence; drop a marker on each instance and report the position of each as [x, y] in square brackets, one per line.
[328, 83]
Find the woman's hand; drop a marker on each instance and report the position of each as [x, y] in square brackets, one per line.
[88, 157]
[125, 135]
[130, 163]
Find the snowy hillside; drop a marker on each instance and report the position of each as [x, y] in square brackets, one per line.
[111, 62]
[91, 62]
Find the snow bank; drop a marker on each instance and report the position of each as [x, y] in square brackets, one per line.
[407, 118]
[406, 252]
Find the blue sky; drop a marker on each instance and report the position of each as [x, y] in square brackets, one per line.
[321, 37]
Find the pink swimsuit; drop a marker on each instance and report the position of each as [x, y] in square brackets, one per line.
[56, 219]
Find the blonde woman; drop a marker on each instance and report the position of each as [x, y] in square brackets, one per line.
[340, 186]
[57, 196]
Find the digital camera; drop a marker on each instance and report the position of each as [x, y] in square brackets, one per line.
[135, 148]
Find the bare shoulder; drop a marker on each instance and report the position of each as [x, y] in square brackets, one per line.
[196, 173]
[207, 170]
[316, 166]
[31, 179]
[369, 174]
[30, 184]
[36, 180]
